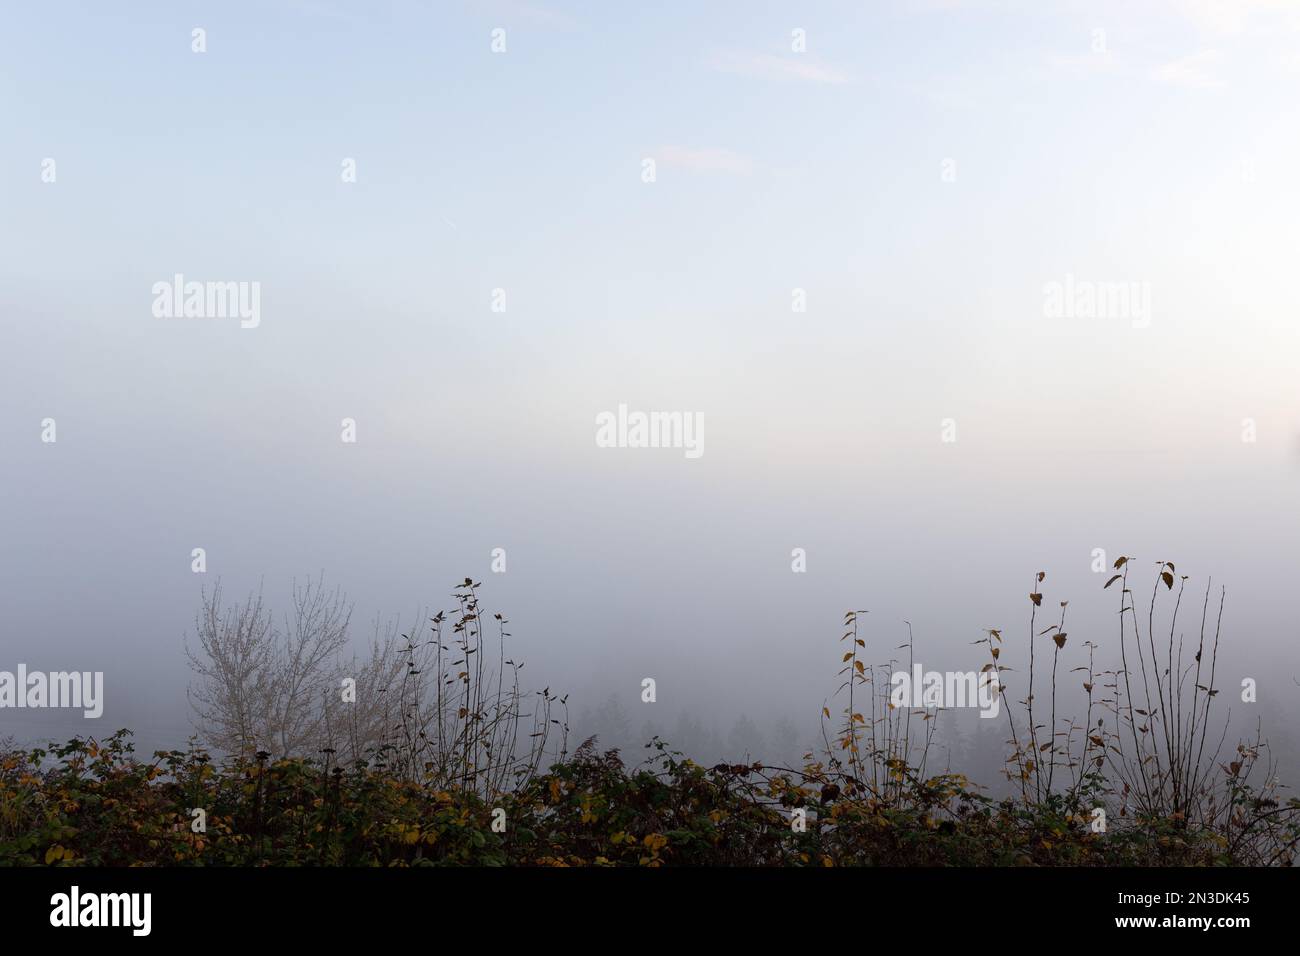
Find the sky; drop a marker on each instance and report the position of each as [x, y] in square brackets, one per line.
[830, 231]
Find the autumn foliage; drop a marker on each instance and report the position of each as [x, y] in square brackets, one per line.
[870, 798]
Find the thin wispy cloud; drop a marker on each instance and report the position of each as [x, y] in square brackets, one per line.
[316, 9]
[1224, 17]
[933, 6]
[794, 66]
[705, 160]
[528, 12]
[1084, 62]
[1197, 71]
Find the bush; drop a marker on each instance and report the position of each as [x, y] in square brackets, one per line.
[478, 799]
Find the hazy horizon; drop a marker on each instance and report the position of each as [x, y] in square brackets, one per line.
[932, 427]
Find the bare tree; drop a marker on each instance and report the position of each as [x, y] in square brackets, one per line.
[306, 665]
[261, 687]
[446, 709]
[356, 725]
[233, 666]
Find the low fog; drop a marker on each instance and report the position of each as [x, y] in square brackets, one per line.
[917, 441]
